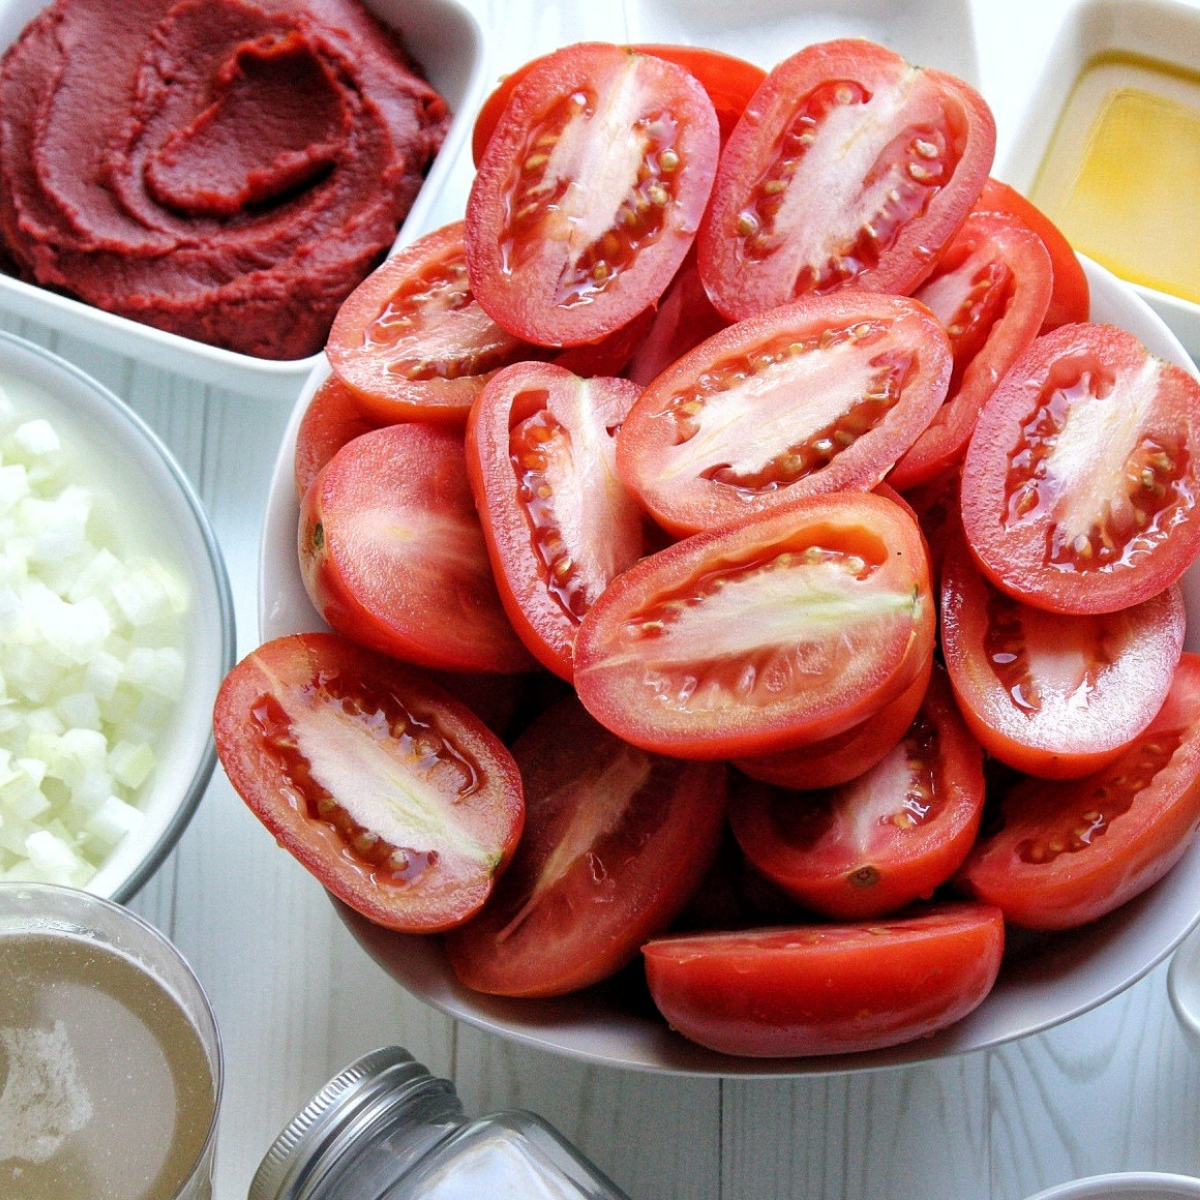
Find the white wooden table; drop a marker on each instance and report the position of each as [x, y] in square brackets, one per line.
[297, 999]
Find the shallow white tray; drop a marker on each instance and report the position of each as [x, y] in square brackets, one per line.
[444, 37]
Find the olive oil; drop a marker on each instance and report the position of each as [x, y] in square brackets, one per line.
[106, 1092]
[1121, 175]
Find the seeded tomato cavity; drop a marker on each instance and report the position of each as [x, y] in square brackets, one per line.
[589, 192]
[1062, 854]
[749, 639]
[821, 395]
[1080, 483]
[395, 796]
[849, 168]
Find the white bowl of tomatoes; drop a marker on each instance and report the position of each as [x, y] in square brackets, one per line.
[657, 554]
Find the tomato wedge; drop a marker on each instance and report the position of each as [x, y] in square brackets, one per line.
[885, 838]
[332, 418]
[990, 290]
[1065, 854]
[411, 342]
[1070, 302]
[848, 167]
[558, 523]
[827, 989]
[1052, 694]
[392, 553]
[821, 395]
[589, 193]
[392, 794]
[1080, 483]
[729, 82]
[616, 842]
[787, 628]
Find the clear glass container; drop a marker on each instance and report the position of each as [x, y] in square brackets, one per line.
[387, 1129]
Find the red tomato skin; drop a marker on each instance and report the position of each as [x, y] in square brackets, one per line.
[370, 545]
[656, 823]
[412, 344]
[1118, 844]
[729, 82]
[995, 323]
[1099, 365]
[830, 761]
[529, 277]
[1134, 654]
[687, 491]
[307, 673]
[627, 679]
[827, 989]
[1070, 302]
[866, 848]
[743, 278]
[332, 418]
[545, 607]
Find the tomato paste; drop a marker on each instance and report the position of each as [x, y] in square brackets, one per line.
[227, 170]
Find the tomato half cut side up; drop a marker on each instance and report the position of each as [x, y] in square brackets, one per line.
[849, 167]
[1055, 695]
[616, 842]
[1070, 302]
[589, 193]
[392, 554]
[842, 988]
[558, 523]
[884, 839]
[745, 640]
[1064, 854]
[728, 80]
[333, 418]
[1079, 486]
[990, 290]
[821, 395]
[411, 342]
[392, 794]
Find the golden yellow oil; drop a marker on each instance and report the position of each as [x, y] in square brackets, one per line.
[1121, 176]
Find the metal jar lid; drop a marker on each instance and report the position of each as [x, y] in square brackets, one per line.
[380, 1114]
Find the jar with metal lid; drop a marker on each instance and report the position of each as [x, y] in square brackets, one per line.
[387, 1129]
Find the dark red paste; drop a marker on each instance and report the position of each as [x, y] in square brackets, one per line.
[227, 170]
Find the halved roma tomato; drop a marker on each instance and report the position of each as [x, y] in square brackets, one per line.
[558, 523]
[990, 290]
[589, 193]
[332, 418]
[1080, 483]
[889, 836]
[392, 554]
[1063, 854]
[744, 640]
[1070, 302]
[616, 842]
[827, 989]
[391, 793]
[729, 82]
[1056, 695]
[848, 167]
[410, 341]
[821, 395]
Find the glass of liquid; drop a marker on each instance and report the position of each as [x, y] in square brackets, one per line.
[110, 1059]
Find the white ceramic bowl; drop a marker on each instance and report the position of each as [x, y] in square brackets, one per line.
[1125, 1185]
[126, 458]
[1044, 981]
[444, 37]
[1183, 988]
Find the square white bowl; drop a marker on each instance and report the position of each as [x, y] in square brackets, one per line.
[444, 37]
[1160, 30]
[931, 33]
[127, 460]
